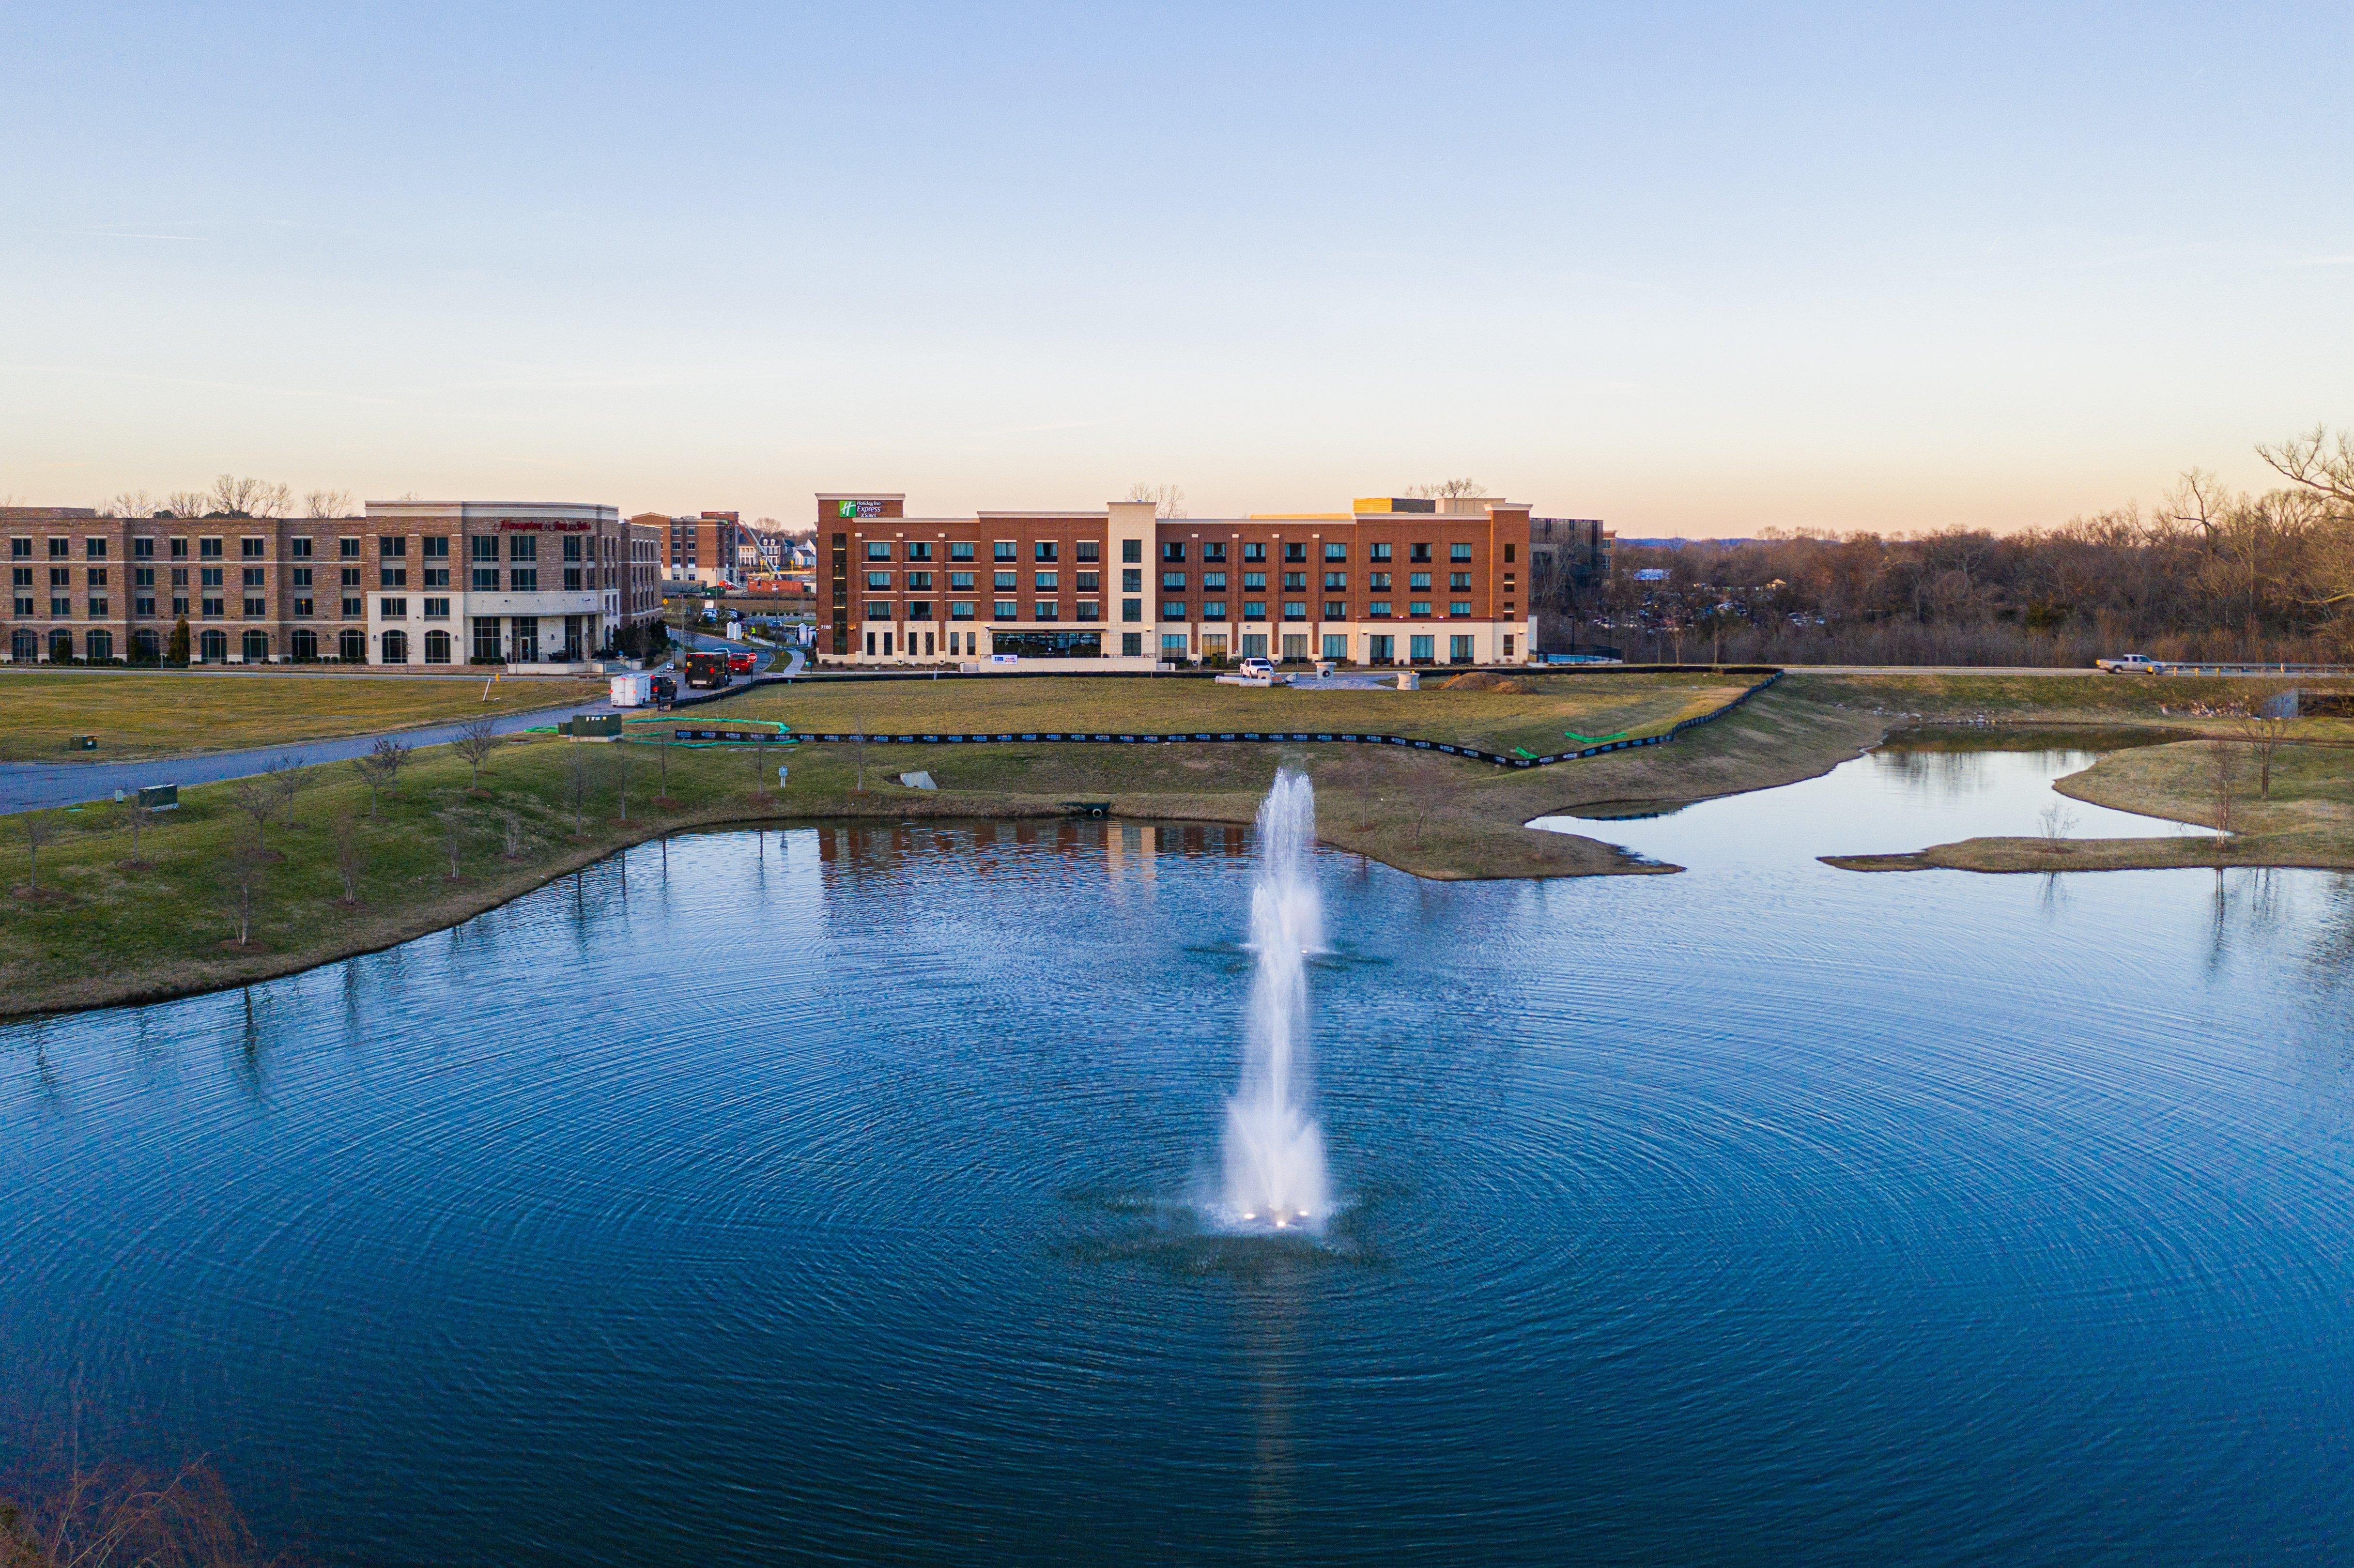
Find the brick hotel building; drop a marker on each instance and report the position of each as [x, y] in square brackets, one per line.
[1392, 581]
[410, 584]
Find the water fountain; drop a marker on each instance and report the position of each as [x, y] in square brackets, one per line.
[1275, 1150]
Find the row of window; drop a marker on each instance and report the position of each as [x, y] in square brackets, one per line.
[435, 546]
[1211, 551]
[1006, 609]
[1000, 550]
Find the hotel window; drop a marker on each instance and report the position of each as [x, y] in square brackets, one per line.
[1046, 582]
[302, 609]
[1336, 552]
[352, 608]
[1131, 580]
[93, 549]
[1006, 581]
[1173, 582]
[1336, 609]
[1089, 550]
[1254, 580]
[435, 576]
[210, 576]
[919, 582]
[60, 549]
[878, 609]
[1295, 582]
[142, 604]
[1046, 549]
[1377, 552]
[392, 609]
[1458, 552]
[1254, 552]
[920, 549]
[879, 549]
[251, 548]
[253, 577]
[1294, 553]
[571, 577]
[256, 607]
[1378, 581]
[1460, 581]
[1005, 550]
[1378, 610]
[1419, 581]
[437, 547]
[1131, 644]
[572, 546]
[1213, 582]
[97, 576]
[485, 579]
[520, 547]
[60, 576]
[98, 609]
[1507, 561]
[1173, 645]
[961, 582]
[1045, 610]
[1336, 582]
[1173, 551]
[24, 604]
[959, 550]
[1295, 609]
[1253, 609]
[1214, 610]
[878, 582]
[960, 609]
[1215, 550]
[1418, 552]
[208, 549]
[142, 549]
[21, 577]
[920, 610]
[1459, 607]
[214, 609]
[523, 580]
[1089, 609]
[349, 549]
[179, 604]
[1172, 609]
[60, 609]
[1004, 609]
[1131, 610]
[1418, 607]
[486, 638]
[437, 609]
[20, 549]
[1131, 551]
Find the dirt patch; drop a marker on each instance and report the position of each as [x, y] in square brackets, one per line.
[1489, 681]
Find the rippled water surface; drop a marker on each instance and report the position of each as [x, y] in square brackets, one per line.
[826, 1194]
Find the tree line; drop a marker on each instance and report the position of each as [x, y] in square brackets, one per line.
[2208, 573]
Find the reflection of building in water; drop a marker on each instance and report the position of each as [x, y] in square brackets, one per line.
[1130, 846]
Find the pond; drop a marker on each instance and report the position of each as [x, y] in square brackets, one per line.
[831, 1193]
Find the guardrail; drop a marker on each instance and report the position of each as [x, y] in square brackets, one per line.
[1091, 737]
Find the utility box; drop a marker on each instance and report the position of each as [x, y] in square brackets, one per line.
[160, 797]
[635, 689]
[81, 743]
[592, 726]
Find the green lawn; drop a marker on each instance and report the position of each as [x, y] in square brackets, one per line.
[1592, 704]
[139, 716]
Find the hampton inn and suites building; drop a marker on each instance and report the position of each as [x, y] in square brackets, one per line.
[1392, 581]
[411, 583]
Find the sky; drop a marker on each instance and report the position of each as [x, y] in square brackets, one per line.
[1694, 270]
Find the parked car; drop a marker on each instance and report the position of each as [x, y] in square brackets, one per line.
[666, 690]
[1256, 667]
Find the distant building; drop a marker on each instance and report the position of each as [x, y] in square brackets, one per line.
[708, 548]
[408, 584]
[1394, 580]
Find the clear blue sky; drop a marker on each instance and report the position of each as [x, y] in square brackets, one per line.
[1691, 269]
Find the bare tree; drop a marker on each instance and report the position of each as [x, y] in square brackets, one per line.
[327, 503]
[135, 815]
[38, 831]
[235, 496]
[2224, 778]
[381, 767]
[622, 776]
[185, 503]
[453, 841]
[265, 797]
[128, 503]
[116, 1516]
[511, 830]
[351, 858]
[1168, 500]
[2056, 823]
[475, 743]
[1449, 488]
[242, 867]
[2265, 725]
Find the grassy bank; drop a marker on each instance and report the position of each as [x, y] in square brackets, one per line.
[142, 716]
[108, 926]
[2307, 821]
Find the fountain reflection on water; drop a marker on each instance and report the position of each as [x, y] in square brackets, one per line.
[1275, 1150]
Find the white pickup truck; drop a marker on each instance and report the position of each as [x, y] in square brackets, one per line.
[2131, 665]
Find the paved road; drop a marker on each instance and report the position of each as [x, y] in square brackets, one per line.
[36, 786]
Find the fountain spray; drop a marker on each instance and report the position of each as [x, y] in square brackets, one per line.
[1275, 1150]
